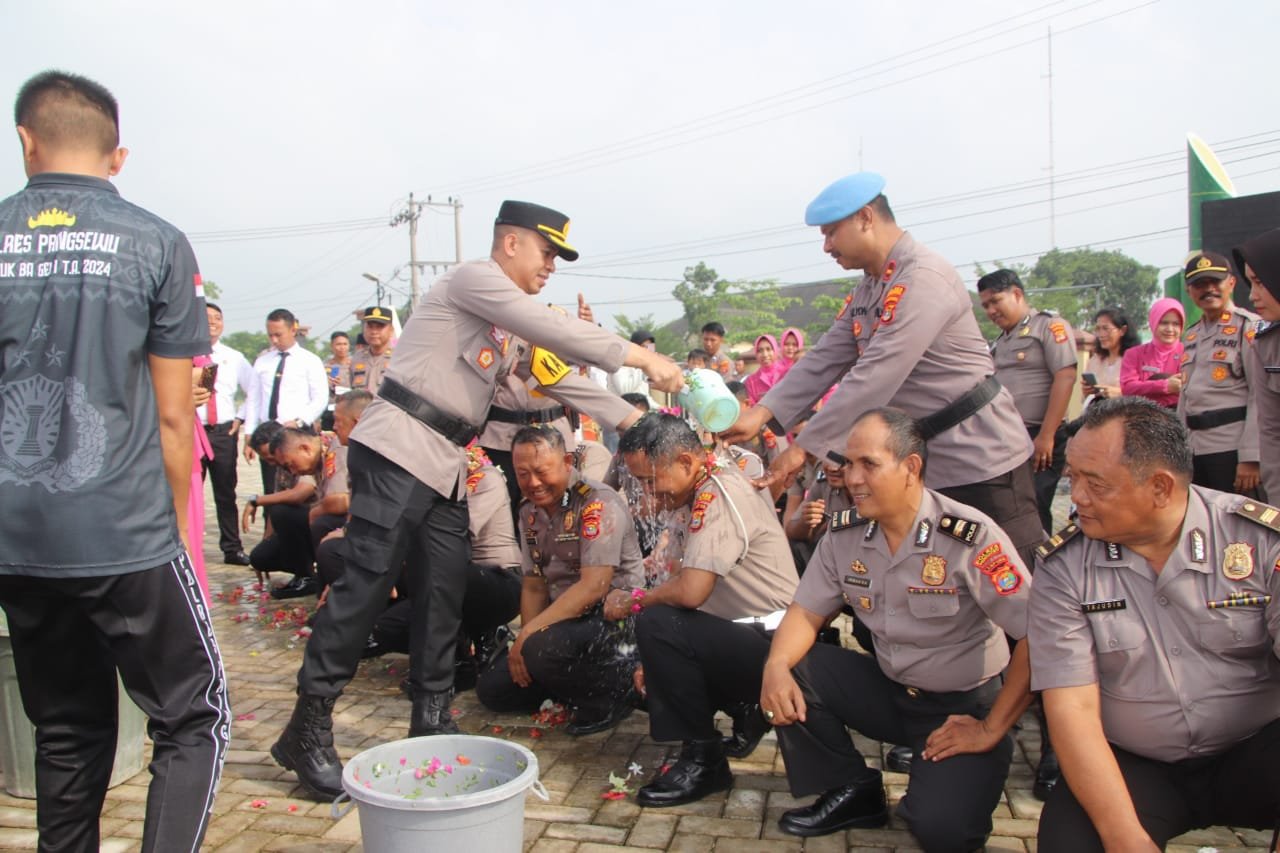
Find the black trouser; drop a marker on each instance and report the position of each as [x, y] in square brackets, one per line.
[268, 476]
[1217, 471]
[492, 598]
[694, 665]
[1010, 501]
[394, 516]
[579, 662]
[330, 558]
[288, 548]
[221, 470]
[1240, 787]
[502, 459]
[948, 803]
[69, 638]
[321, 526]
[1046, 481]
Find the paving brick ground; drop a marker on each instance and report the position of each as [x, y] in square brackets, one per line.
[259, 806]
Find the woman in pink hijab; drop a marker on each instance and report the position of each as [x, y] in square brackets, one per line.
[1151, 370]
[792, 345]
[772, 368]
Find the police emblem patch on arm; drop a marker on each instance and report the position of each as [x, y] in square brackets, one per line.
[547, 367]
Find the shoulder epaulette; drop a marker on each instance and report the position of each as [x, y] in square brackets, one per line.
[962, 529]
[1057, 540]
[1260, 513]
[583, 489]
[847, 518]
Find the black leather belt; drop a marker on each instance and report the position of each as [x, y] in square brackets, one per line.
[456, 430]
[955, 412]
[1216, 418]
[525, 418]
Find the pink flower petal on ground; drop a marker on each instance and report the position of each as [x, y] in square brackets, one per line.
[245, 717]
[613, 795]
[259, 804]
[293, 807]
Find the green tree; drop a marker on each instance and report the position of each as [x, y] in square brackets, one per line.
[250, 344]
[664, 340]
[212, 293]
[827, 307]
[748, 309]
[1124, 281]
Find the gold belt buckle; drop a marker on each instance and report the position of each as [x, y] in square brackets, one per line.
[913, 692]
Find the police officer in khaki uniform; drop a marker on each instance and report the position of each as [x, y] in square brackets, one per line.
[905, 337]
[701, 630]
[1259, 260]
[814, 509]
[370, 361]
[1155, 628]
[408, 471]
[1214, 403]
[577, 542]
[1035, 358]
[939, 586]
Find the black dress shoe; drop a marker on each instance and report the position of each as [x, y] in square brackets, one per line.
[749, 726]
[862, 806]
[899, 759]
[236, 558]
[306, 747]
[701, 770]
[588, 723]
[1047, 774]
[297, 588]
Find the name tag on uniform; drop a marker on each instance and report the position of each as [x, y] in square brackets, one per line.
[567, 537]
[1104, 606]
[854, 580]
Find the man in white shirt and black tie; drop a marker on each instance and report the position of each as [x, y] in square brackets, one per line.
[222, 421]
[292, 387]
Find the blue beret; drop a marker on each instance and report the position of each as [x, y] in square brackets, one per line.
[843, 198]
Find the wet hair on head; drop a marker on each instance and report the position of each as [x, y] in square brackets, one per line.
[288, 437]
[660, 437]
[535, 433]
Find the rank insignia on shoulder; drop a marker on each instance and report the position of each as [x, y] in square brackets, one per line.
[1237, 561]
[960, 528]
[923, 532]
[1104, 606]
[583, 489]
[846, 518]
[1057, 540]
[1260, 513]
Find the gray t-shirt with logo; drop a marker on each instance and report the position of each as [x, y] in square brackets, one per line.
[90, 286]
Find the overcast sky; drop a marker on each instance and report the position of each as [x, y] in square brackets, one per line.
[283, 137]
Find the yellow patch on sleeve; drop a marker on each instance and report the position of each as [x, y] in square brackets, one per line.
[547, 367]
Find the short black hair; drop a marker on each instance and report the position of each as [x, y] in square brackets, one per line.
[1000, 281]
[288, 436]
[265, 433]
[214, 306]
[905, 435]
[534, 433]
[698, 354]
[354, 401]
[66, 110]
[282, 314]
[1153, 435]
[714, 328]
[337, 335]
[880, 204]
[640, 401]
[660, 437]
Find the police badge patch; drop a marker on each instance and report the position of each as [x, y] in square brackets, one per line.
[1237, 561]
[934, 572]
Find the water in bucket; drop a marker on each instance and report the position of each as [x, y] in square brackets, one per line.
[710, 401]
[444, 789]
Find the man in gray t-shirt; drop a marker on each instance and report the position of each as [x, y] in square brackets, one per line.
[100, 315]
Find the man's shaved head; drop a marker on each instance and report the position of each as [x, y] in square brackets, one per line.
[69, 112]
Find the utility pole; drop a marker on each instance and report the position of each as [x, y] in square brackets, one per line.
[1053, 221]
[411, 213]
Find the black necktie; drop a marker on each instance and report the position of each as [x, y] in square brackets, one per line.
[275, 388]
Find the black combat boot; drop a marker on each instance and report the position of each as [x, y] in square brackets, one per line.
[702, 769]
[749, 726]
[431, 715]
[306, 747]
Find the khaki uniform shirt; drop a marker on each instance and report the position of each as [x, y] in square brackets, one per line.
[1027, 358]
[835, 501]
[1213, 360]
[592, 460]
[591, 526]
[940, 607]
[1185, 660]
[333, 468]
[518, 391]
[907, 339]
[723, 365]
[732, 531]
[493, 535]
[1264, 364]
[366, 369]
[452, 351]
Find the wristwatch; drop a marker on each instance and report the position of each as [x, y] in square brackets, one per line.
[253, 500]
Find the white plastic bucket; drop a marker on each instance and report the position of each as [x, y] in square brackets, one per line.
[443, 792]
